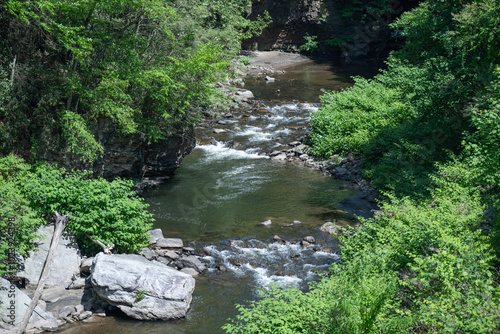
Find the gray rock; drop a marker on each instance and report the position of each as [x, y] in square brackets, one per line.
[329, 228]
[52, 295]
[172, 255]
[190, 271]
[221, 267]
[170, 243]
[220, 131]
[42, 304]
[77, 284]
[266, 223]
[303, 157]
[79, 308]
[164, 261]
[66, 263]
[277, 238]
[309, 239]
[189, 250]
[191, 261]
[299, 149]
[124, 155]
[155, 235]
[269, 79]
[86, 264]
[242, 95]
[65, 312]
[280, 157]
[14, 307]
[159, 252]
[297, 222]
[68, 303]
[84, 315]
[341, 171]
[142, 289]
[148, 253]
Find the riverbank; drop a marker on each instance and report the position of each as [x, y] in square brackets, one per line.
[263, 65]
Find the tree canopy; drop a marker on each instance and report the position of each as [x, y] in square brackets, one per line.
[150, 66]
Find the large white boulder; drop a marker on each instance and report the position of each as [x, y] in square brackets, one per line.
[67, 260]
[142, 289]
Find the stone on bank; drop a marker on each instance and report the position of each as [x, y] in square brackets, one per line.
[14, 306]
[142, 289]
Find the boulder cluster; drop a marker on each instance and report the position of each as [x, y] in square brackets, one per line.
[156, 284]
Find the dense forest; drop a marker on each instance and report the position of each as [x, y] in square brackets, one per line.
[150, 67]
[429, 128]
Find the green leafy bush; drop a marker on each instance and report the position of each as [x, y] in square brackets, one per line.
[102, 210]
[349, 119]
[424, 266]
[18, 221]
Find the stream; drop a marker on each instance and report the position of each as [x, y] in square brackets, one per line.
[228, 185]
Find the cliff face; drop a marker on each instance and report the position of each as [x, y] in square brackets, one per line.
[291, 20]
[124, 155]
[338, 37]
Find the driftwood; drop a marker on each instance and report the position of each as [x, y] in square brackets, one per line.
[13, 70]
[61, 221]
[106, 248]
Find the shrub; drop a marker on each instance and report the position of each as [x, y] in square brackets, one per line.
[350, 118]
[106, 211]
[18, 222]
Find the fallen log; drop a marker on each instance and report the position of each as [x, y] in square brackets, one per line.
[61, 221]
[106, 248]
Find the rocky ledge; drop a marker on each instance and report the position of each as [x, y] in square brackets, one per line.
[156, 284]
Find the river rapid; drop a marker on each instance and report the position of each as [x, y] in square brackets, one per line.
[228, 185]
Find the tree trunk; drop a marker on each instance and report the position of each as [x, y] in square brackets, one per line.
[61, 221]
[13, 70]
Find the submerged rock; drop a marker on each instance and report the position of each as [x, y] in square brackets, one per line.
[266, 223]
[329, 228]
[310, 239]
[141, 289]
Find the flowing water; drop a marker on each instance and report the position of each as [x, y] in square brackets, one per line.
[228, 185]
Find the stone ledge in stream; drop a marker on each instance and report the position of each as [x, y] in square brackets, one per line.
[345, 169]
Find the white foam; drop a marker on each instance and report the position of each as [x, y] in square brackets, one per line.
[255, 134]
[274, 263]
[220, 151]
[282, 132]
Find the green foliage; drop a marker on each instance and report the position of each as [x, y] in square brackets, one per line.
[311, 43]
[422, 267]
[18, 221]
[106, 211]
[362, 11]
[140, 295]
[150, 66]
[79, 139]
[349, 119]
[429, 129]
